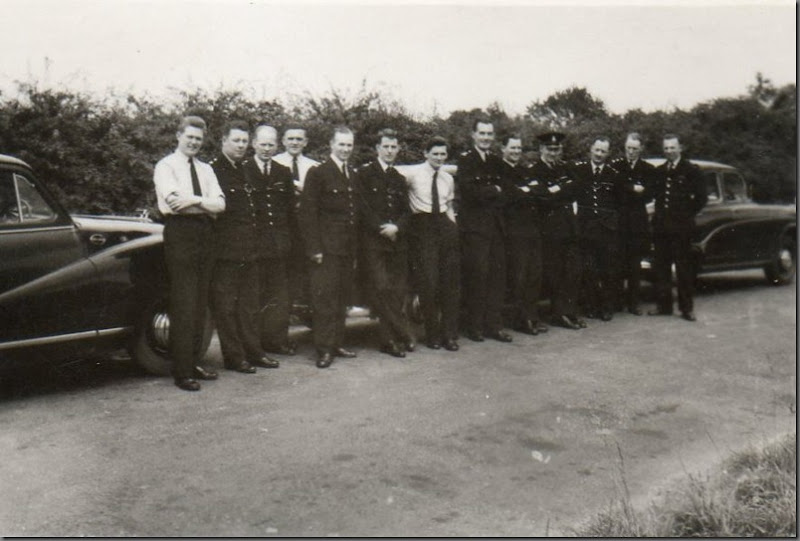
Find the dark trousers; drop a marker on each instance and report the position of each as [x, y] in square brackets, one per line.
[387, 272]
[674, 247]
[630, 279]
[483, 270]
[434, 255]
[525, 275]
[188, 250]
[561, 258]
[331, 281]
[275, 306]
[235, 306]
[600, 275]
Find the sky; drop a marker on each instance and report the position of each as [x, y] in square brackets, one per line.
[432, 57]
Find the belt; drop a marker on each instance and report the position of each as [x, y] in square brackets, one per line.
[187, 217]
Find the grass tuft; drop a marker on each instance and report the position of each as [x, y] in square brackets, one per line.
[752, 494]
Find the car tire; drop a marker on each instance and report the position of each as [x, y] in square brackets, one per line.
[782, 269]
[149, 349]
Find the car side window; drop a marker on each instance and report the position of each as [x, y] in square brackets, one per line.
[9, 202]
[31, 208]
[711, 186]
[735, 187]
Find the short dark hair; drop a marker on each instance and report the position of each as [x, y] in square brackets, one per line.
[192, 121]
[634, 136]
[295, 127]
[435, 141]
[481, 120]
[508, 136]
[231, 125]
[387, 133]
[602, 139]
[671, 136]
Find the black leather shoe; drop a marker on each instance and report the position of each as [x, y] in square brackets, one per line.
[346, 353]
[289, 348]
[500, 336]
[564, 321]
[634, 310]
[205, 373]
[688, 316]
[527, 327]
[659, 312]
[392, 349]
[606, 316]
[324, 360]
[265, 361]
[475, 336]
[187, 384]
[450, 345]
[580, 322]
[410, 345]
[244, 367]
[540, 327]
[433, 344]
[591, 315]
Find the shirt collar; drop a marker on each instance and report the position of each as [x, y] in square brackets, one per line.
[511, 164]
[262, 165]
[384, 165]
[232, 162]
[482, 153]
[339, 163]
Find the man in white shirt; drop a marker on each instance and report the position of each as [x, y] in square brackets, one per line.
[433, 245]
[189, 197]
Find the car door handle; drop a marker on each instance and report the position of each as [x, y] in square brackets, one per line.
[98, 239]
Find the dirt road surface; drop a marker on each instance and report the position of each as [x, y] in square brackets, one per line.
[522, 439]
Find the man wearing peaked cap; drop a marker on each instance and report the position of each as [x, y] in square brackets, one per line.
[551, 138]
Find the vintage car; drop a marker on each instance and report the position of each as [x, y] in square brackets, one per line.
[76, 286]
[734, 233]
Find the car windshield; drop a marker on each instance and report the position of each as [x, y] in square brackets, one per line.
[711, 186]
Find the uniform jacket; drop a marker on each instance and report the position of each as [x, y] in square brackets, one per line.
[480, 206]
[382, 198]
[275, 201]
[328, 211]
[679, 195]
[555, 201]
[521, 212]
[236, 230]
[599, 199]
[633, 208]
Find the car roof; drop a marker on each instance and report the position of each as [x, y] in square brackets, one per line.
[11, 160]
[703, 164]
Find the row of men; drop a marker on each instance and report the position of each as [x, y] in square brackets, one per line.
[231, 224]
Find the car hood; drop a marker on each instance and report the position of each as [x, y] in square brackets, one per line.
[117, 224]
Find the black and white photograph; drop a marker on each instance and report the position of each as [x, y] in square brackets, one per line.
[398, 269]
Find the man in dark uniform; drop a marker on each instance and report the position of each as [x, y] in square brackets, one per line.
[598, 225]
[680, 194]
[384, 212]
[480, 221]
[234, 287]
[634, 227]
[327, 218]
[559, 230]
[523, 239]
[276, 200]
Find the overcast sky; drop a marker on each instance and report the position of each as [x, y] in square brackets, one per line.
[438, 57]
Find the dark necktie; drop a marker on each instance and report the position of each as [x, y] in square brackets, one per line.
[295, 170]
[597, 170]
[195, 180]
[344, 170]
[435, 195]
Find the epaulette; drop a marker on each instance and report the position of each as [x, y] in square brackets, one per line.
[466, 152]
[581, 162]
[613, 169]
[364, 166]
[213, 160]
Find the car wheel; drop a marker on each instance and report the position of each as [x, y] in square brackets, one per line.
[782, 269]
[152, 340]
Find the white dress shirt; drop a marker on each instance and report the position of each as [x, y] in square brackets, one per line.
[173, 175]
[419, 179]
[304, 163]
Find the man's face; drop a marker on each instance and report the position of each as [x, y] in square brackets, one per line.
[672, 149]
[342, 145]
[234, 144]
[599, 152]
[294, 141]
[483, 136]
[265, 144]
[190, 140]
[512, 152]
[633, 149]
[550, 153]
[387, 149]
[436, 156]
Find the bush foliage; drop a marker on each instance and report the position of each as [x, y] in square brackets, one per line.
[98, 154]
